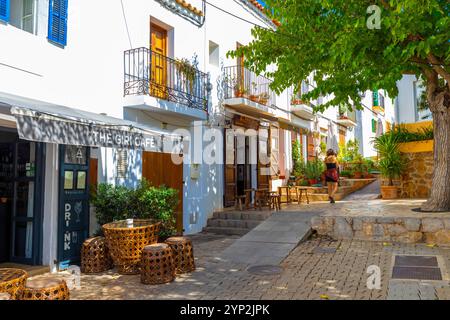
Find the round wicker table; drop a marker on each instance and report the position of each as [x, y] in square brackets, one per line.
[126, 240]
[12, 281]
[46, 289]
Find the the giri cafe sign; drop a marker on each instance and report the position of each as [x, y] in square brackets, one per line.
[51, 130]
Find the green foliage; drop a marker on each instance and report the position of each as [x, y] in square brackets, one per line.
[404, 135]
[114, 203]
[330, 40]
[160, 204]
[314, 169]
[323, 148]
[349, 152]
[392, 163]
[297, 159]
[346, 173]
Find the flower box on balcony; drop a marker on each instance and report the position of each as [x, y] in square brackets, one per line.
[345, 121]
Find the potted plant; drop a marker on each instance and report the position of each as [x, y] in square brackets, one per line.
[239, 90]
[295, 100]
[188, 73]
[264, 98]
[391, 162]
[313, 171]
[253, 96]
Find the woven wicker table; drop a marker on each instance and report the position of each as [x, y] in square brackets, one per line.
[46, 289]
[157, 264]
[126, 240]
[5, 296]
[12, 281]
[183, 254]
[95, 256]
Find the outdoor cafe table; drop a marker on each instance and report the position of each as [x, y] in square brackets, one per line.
[12, 281]
[126, 239]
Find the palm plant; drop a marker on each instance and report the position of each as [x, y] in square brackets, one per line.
[391, 161]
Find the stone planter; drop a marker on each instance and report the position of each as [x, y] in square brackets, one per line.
[389, 192]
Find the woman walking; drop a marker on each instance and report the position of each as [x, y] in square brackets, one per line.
[332, 175]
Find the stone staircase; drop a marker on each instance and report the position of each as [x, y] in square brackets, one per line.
[346, 187]
[236, 222]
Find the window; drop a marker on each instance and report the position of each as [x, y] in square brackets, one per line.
[374, 126]
[23, 15]
[214, 54]
[4, 10]
[57, 21]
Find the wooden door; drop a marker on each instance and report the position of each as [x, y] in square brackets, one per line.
[230, 169]
[158, 62]
[311, 149]
[263, 159]
[159, 169]
[93, 174]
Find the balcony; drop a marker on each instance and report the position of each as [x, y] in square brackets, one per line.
[248, 92]
[301, 108]
[347, 119]
[148, 73]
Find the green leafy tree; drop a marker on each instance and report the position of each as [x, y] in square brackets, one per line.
[341, 46]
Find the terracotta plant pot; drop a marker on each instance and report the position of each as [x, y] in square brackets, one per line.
[238, 94]
[263, 101]
[357, 175]
[313, 181]
[389, 192]
[296, 102]
[254, 98]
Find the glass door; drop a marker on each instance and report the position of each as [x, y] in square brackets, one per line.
[26, 207]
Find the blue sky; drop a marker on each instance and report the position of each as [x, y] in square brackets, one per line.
[261, 2]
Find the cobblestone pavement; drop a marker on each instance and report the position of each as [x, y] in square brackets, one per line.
[306, 274]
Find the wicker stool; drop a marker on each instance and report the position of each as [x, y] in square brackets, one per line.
[5, 296]
[46, 289]
[183, 253]
[95, 256]
[157, 265]
[12, 281]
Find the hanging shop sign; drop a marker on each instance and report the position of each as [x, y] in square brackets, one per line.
[82, 132]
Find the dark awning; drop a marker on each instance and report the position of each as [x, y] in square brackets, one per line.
[63, 125]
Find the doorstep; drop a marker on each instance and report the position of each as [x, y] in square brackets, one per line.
[31, 270]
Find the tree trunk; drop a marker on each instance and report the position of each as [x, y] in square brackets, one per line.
[439, 200]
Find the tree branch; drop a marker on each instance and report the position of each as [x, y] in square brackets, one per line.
[437, 66]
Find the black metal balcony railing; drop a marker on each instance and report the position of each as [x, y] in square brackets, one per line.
[149, 73]
[242, 83]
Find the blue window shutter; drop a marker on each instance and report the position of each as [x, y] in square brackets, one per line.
[57, 21]
[4, 10]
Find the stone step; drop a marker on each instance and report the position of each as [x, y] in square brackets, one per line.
[242, 215]
[229, 223]
[226, 231]
[324, 196]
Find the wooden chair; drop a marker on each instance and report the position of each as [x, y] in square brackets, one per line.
[261, 198]
[239, 202]
[274, 200]
[248, 197]
[301, 191]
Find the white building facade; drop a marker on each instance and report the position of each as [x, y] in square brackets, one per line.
[62, 62]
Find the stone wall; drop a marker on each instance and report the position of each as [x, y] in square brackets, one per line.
[388, 229]
[416, 181]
